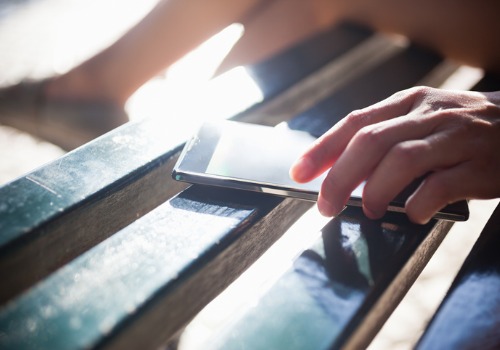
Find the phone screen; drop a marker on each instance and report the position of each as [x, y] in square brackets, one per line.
[258, 158]
[246, 156]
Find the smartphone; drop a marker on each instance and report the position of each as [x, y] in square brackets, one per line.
[258, 158]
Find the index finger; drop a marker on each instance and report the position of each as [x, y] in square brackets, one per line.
[328, 148]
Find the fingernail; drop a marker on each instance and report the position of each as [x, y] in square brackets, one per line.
[301, 170]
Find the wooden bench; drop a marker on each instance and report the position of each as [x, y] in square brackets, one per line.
[468, 315]
[101, 248]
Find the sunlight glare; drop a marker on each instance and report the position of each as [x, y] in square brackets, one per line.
[200, 64]
[189, 95]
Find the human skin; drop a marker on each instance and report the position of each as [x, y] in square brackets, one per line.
[175, 27]
[467, 31]
[451, 137]
[463, 30]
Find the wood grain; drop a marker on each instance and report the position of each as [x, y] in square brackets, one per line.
[468, 316]
[59, 211]
[140, 280]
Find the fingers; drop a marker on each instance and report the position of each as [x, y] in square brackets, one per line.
[440, 189]
[407, 161]
[327, 149]
[363, 156]
[453, 136]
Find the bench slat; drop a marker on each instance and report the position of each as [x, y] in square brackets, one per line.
[306, 57]
[341, 289]
[141, 285]
[58, 211]
[156, 272]
[468, 317]
[62, 209]
[162, 245]
[401, 71]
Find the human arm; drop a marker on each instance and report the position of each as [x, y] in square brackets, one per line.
[452, 137]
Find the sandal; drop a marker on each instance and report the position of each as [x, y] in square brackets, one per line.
[67, 124]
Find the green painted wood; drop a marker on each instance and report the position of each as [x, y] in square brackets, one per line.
[141, 278]
[58, 211]
[62, 209]
[400, 71]
[334, 285]
[468, 317]
[141, 285]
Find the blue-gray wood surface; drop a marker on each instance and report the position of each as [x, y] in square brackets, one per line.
[55, 213]
[146, 271]
[332, 287]
[469, 316]
[143, 283]
[328, 298]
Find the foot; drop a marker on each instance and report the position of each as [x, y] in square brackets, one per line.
[66, 121]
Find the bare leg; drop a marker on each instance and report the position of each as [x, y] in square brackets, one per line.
[174, 27]
[464, 30]
[170, 30]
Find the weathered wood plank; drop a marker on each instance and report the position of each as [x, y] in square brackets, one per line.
[142, 284]
[341, 289]
[398, 72]
[468, 317]
[305, 58]
[60, 210]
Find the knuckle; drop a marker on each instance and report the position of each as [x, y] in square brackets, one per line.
[413, 97]
[419, 92]
[356, 119]
[489, 109]
[410, 90]
[409, 154]
[370, 136]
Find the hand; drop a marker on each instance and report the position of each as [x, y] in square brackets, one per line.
[452, 136]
